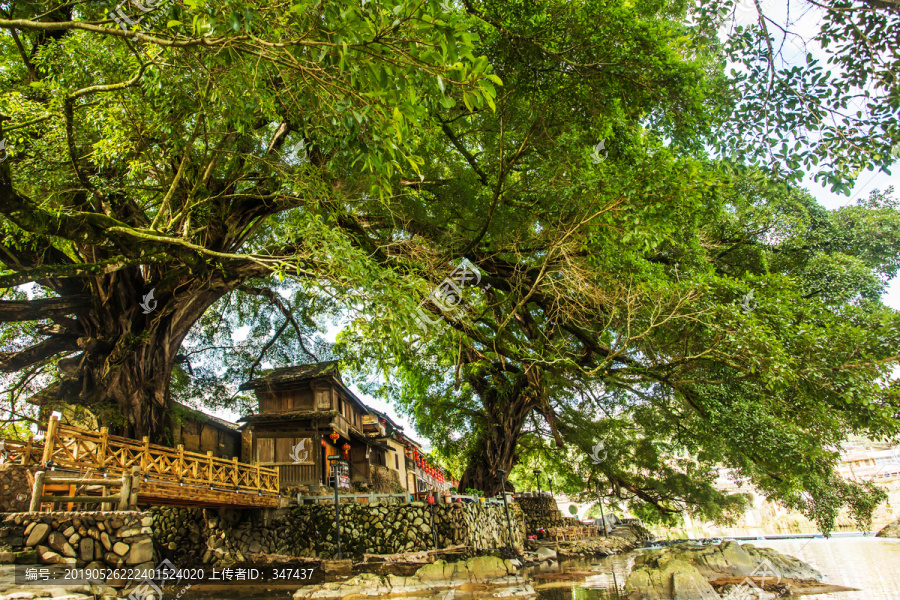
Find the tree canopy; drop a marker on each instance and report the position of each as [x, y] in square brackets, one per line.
[270, 167]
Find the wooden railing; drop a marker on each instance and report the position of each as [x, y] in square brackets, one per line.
[126, 499]
[67, 447]
[21, 452]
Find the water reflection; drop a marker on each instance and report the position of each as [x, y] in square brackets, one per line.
[870, 564]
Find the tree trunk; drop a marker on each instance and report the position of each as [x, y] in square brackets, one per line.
[495, 447]
[123, 373]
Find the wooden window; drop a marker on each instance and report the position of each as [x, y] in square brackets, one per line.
[265, 450]
[283, 449]
[396, 463]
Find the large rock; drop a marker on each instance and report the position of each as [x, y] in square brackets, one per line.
[141, 552]
[86, 549]
[485, 568]
[60, 544]
[668, 579]
[890, 531]
[38, 534]
[545, 553]
[120, 548]
[684, 572]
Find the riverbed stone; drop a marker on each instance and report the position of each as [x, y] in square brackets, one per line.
[891, 530]
[684, 572]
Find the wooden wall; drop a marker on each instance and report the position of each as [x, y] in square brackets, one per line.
[298, 474]
[203, 436]
[300, 398]
[317, 397]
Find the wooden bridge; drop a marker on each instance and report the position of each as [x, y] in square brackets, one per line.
[158, 475]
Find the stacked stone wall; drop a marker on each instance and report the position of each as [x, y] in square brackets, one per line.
[15, 491]
[94, 540]
[193, 536]
[541, 512]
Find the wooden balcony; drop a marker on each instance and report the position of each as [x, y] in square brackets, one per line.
[168, 475]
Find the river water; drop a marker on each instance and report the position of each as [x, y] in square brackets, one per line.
[870, 564]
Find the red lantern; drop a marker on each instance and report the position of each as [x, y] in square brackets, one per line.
[324, 444]
[334, 437]
[346, 449]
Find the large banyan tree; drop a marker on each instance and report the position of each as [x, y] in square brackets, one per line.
[634, 292]
[161, 161]
[629, 287]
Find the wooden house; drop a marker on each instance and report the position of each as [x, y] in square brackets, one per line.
[380, 426]
[306, 414]
[200, 432]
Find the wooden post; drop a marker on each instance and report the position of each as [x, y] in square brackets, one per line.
[234, 472]
[145, 454]
[125, 492]
[105, 506]
[209, 467]
[135, 487]
[29, 446]
[49, 439]
[69, 506]
[257, 476]
[104, 444]
[37, 491]
[179, 469]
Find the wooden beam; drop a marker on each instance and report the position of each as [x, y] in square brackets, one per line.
[125, 492]
[36, 491]
[52, 426]
[73, 480]
[71, 499]
[135, 486]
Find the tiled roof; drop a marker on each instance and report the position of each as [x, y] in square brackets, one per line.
[202, 416]
[286, 375]
[289, 414]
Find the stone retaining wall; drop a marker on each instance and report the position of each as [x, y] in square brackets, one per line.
[542, 513]
[95, 540]
[220, 537]
[15, 492]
